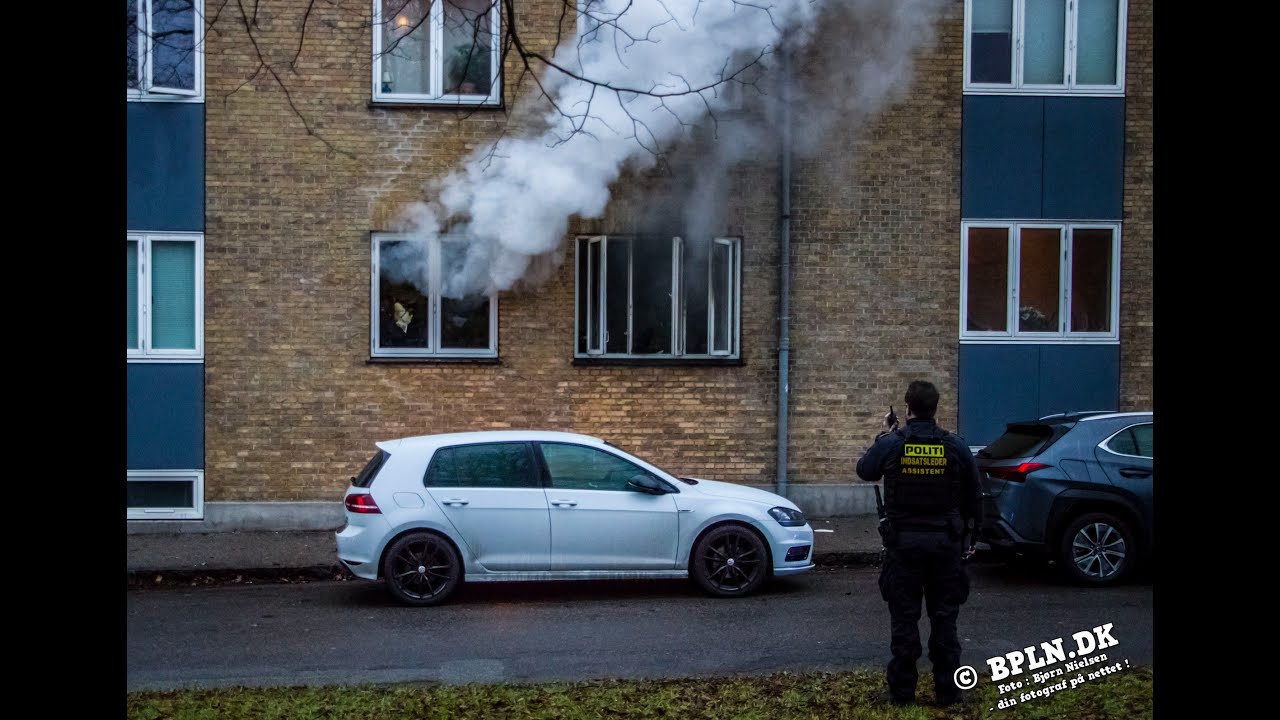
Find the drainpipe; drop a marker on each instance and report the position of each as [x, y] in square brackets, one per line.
[784, 279]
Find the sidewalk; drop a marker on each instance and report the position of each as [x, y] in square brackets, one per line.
[313, 554]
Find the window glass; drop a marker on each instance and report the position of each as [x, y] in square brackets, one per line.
[159, 494]
[173, 44]
[468, 42]
[131, 58]
[131, 295]
[173, 295]
[1124, 443]
[988, 280]
[1038, 279]
[721, 296]
[1097, 31]
[991, 42]
[491, 465]
[406, 47]
[1091, 254]
[575, 467]
[1144, 440]
[403, 286]
[617, 294]
[595, 307]
[1046, 32]
[464, 319]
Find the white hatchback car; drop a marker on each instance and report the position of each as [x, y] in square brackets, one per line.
[427, 513]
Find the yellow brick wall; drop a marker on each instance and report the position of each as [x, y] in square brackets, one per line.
[293, 403]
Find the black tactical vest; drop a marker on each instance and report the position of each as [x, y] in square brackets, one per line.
[922, 479]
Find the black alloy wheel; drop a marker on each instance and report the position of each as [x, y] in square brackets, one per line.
[421, 569]
[729, 561]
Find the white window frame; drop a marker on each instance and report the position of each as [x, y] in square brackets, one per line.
[433, 349]
[195, 512]
[597, 346]
[1011, 334]
[144, 352]
[437, 96]
[145, 92]
[1069, 86]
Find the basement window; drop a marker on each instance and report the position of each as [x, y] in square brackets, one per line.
[437, 52]
[658, 297]
[417, 308]
[164, 495]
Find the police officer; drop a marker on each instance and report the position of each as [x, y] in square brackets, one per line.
[932, 501]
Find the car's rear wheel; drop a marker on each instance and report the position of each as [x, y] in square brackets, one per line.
[421, 568]
[1098, 549]
[729, 561]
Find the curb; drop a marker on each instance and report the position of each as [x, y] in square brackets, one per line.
[188, 577]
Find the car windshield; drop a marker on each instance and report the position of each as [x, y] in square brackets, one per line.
[1022, 441]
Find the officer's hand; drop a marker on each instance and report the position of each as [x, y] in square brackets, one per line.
[890, 420]
[968, 554]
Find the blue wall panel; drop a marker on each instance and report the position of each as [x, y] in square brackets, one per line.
[1079, 377]
[1002, 157]
[1003, 383]
[165, 172]
[165, 416]
[1083, 158]
[998, 383]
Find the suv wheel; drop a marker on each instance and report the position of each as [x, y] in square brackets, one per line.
[1098, 549]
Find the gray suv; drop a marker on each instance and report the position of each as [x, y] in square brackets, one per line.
[1074, 487]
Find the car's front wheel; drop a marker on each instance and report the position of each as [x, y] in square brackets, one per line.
[1098, 549]
[729, 561]
[421, 568]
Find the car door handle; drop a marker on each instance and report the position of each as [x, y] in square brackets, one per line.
[455, 501]
[1135, 472]
[560, 503]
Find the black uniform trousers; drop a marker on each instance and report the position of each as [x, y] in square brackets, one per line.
[924, 564]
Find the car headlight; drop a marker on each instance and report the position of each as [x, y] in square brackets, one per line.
[787, 517]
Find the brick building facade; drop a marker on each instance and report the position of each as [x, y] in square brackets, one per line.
[296, 183]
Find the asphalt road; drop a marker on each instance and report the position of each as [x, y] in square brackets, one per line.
[351, 632]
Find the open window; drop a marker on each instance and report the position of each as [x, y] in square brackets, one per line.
[658, 297]
[164, 55]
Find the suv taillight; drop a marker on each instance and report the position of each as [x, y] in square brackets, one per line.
[1016, 474]
[361, 503]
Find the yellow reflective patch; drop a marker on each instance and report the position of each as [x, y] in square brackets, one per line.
[924, 450]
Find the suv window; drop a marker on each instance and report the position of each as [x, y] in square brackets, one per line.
[1023, 440]
[487, 465]
[575, 467]
[1138, 440]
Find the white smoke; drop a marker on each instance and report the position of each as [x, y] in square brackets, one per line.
[512, 204]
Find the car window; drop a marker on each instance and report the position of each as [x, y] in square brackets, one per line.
[575, 467]
[1137, 440]
[1023, 441]
[488, 465]
[371, 468]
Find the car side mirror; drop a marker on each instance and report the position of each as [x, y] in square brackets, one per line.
[646, 484]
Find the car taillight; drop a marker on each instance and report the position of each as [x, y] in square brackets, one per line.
[1016, 474]
[362, 503]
